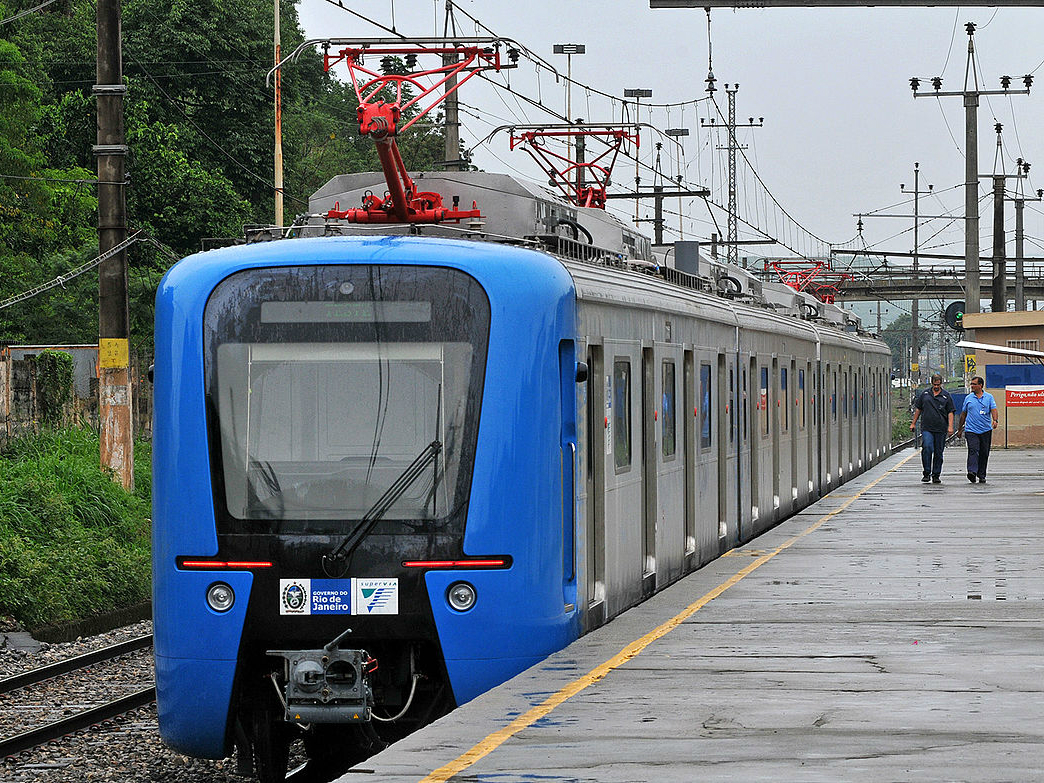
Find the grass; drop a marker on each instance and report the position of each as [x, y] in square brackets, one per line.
[901, 415]
[73, 543]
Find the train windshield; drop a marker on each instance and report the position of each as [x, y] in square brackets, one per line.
[325, 384]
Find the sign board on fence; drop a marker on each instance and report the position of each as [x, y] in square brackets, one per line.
[1017, 396]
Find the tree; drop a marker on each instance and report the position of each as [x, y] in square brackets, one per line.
[199, 124]
[897, 336]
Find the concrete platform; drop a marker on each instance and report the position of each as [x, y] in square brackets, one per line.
[892, 631]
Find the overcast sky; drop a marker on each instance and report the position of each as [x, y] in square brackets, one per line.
[841, 128]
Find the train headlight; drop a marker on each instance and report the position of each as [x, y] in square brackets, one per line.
[220, 597]
[461, 596]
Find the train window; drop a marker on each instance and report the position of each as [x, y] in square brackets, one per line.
[744, 403]
[801, 399]
[668, 442]
[844, 399]
[622, 413]
[324, 383]
[732, 406]
[833, 398]
[705, 406]
[763, 401]
[785, 396]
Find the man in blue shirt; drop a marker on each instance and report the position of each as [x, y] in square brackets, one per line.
[934, 407]
[978, 421]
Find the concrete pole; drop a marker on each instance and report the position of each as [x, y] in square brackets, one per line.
[999, 301]
[453, 162]
[1020, 272]
[914, 346]
[114, 388]
[971, 202]
[278, 120]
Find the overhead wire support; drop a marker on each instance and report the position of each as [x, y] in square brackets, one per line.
[460, 60]
[582, 183]
[971, 94]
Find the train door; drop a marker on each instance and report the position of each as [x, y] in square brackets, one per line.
[845, 431]
[669, 459]
[805, 377]
[734, 516]
[754, 429]
[624, 500]
[743, 459]
[818, 422]
[775, 435]
[595, 425]
[828, 415]
[647, 408]
[792, 431]
[688, 430]
[721, 440]
[708, 529]
[837, 429]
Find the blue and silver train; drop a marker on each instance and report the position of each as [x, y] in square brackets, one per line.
[390, 472]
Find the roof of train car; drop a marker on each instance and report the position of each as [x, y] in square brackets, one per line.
[626, 287]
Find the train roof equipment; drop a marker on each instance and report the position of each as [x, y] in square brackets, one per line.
[582, 183]
[383, 99]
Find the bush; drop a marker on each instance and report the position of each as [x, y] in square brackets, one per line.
[54, 384]
[73, 543]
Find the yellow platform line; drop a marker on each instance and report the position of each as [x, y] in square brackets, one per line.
[496, 739]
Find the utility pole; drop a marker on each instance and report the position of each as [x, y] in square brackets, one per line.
[1020, 201]
[999, 288]
[999, 300]
[733, 233]
[637, 93]
[278, 120]
[971, 94]
[453, 161]
[569, 49]
[677, 134]
[114, 389]
[917, 193]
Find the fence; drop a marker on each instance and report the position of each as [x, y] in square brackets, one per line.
[20, 412]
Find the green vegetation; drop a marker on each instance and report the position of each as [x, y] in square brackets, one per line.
[199, 122]
[901, 415]
[73, 543]
[54, 384]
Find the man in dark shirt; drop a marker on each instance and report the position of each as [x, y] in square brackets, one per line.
[934, 407]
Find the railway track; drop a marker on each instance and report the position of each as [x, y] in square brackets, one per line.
[17, 743]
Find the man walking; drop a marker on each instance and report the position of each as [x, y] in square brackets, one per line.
[934, 407]
[978, 421]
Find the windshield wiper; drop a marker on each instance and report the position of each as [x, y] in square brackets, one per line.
[335, 563]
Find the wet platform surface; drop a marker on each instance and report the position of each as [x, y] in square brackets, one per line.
[892, 631]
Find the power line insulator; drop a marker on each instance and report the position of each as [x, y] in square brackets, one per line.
[1028, 80]
[937, 83]
[1005, 82]
[915, 83]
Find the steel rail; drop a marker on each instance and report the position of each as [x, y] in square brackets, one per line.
[52, 731]
[34, 676]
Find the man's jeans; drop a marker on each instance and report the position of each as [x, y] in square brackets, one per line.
[978, 451]
[932, 451]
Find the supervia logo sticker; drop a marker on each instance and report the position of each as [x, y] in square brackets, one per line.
[376, 596]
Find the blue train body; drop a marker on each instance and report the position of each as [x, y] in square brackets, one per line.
[517, 509]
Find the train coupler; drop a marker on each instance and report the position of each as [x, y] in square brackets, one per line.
[325, 686]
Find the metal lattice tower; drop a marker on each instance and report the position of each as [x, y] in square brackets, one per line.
[732, 251]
